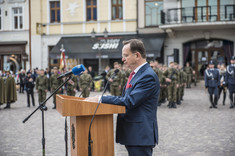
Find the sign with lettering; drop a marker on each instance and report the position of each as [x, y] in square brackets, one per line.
[106, 44]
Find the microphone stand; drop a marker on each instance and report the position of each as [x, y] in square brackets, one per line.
[89, 133]
[43, 108]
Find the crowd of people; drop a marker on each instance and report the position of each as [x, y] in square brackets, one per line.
[173, 80]
[218, 80]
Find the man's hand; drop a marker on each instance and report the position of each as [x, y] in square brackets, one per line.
[168, 80]
[110, 80]
[92, 99]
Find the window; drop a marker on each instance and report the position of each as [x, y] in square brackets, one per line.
[117, 9]
[55, 11]
[17, 18]
[91, 10]
[0, 18]
[153, 12]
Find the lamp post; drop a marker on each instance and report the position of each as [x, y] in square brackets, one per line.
[93, 36]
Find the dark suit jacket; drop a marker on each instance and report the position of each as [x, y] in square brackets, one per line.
[138, 127]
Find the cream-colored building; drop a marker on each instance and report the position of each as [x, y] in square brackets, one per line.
[70, 23]
[14, 35]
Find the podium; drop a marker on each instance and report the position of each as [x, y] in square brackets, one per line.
[80, 113]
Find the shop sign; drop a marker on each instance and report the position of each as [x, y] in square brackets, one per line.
[106, 44]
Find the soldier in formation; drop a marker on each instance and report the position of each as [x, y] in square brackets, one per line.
[41, 86]
[54, 84]
[72, 85]
[172, 79]
[115, 83]
[189, 71]
[212, 82]
[85, 84]
[8, 90]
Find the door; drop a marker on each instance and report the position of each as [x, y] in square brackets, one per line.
[203, 56]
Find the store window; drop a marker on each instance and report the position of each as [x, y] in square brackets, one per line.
[117, 10]
[18, 18]
[55, 11]
[153, 12]
[91, 10]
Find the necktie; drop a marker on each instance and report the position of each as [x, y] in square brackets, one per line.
[129, 79]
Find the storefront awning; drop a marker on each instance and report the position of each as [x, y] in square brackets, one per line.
[110, 47]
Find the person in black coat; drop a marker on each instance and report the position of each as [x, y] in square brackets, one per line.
[29, 84]
[21, 77]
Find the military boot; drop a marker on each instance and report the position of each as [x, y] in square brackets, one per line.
[54, 106]
[215, 102]
[8, 106]
[211, 100]
[231, 100]
[174, 105]
[169, 104]
[224, 98]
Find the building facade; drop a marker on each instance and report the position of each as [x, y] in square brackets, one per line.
[14, 35]
[149, 20]
[90, 31]
[199, 31]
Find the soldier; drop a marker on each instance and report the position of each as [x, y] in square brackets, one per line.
[2, 90]
[41, 86]
[222, 73]
[212, 82]
[230, 80]
[155, 66]
[72, 85]
[10, 90]
[29, 84]
[172, 78]
[54, 84]
[194, 78]
[123, 76]
[164, 84]
[116, 82]
[189, 71]
[182, 76]
[85, 83]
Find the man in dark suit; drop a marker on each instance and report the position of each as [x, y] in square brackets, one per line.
[137, 129]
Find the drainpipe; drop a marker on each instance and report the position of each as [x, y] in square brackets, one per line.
[30, 55]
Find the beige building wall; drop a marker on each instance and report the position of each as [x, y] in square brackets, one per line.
[73, 23]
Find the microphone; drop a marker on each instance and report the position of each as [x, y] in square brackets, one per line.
[75, 70]
[114, 73]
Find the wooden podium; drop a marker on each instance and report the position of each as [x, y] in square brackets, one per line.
[80, 113]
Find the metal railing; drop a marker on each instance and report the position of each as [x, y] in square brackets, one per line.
[198, 14]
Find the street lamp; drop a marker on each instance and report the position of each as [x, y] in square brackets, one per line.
[93, 36]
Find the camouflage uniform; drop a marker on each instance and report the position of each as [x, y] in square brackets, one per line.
[182, 80]
[55, 83]
[172, 74]
[160, 77]
[71, 85]
[41, 86]
[117, 82]
[189, 72]
[85, 82]
[194, 77]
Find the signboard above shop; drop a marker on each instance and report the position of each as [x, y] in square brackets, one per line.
[109, 47]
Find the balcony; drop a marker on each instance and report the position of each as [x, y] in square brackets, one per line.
[200, 16]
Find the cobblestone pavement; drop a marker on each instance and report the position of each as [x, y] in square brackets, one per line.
[190, 130]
